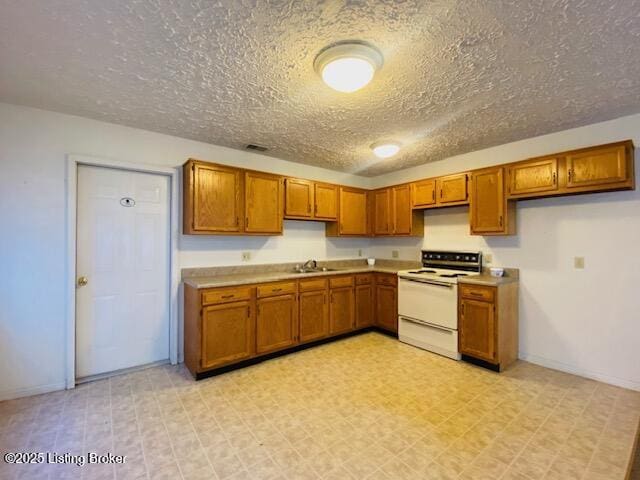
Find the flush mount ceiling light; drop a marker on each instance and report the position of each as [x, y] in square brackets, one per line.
[385, 149]
[348, 66]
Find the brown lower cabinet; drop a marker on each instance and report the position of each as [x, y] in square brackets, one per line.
[386, 302]
[488, 323]
[228, 325]
[276, 323]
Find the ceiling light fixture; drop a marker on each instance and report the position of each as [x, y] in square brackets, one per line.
[348, 66]
[386, 149]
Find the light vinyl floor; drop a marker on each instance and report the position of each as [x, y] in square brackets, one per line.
[368, 407]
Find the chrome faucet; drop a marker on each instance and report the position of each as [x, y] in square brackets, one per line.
[308, 264]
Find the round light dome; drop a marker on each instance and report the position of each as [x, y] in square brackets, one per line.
[385, 150]
[348, 66]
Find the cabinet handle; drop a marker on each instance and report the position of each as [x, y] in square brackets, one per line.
[228, 296]
[554, 178]
[462, 308]
[309, 208]
[276, 289]
[315, 209]
[440, 193]
[433, 195]
[500, 220]
[569, 173]
[476, 294]
[249, 312]
[246, 221]
[237, 221]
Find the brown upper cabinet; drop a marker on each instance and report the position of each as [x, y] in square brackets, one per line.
[600, 168]
[382, 212]
[392, 213]
[307, 200]
[263, 201]
[353, 220]
[212, 198]
[592, 169]
[326, 201]
[423, 193]
[535, 177]
[452, 190]
[298, 198]
[489, 213]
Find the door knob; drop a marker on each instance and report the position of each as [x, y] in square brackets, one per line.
[82, 281]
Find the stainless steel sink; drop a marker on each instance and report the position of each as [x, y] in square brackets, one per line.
[314, 270]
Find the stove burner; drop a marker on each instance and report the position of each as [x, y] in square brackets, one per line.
[423, 271]
[453, 275]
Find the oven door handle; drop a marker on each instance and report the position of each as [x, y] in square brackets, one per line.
[425, 324]
[429, 282]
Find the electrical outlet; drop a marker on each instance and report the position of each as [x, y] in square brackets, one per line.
[359, 252]
[246, 256]
[488, 258]
[578, 262]
[394, 253]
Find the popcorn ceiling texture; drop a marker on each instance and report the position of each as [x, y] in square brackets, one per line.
[458, 75]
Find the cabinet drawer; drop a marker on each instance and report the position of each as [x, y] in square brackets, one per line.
[387, 280]
[476, 292]
[225, 295]
[312, 285]
[272, 289]
[341, 282]
[365, 279]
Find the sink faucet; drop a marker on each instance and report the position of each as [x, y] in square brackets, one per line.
[308, 264]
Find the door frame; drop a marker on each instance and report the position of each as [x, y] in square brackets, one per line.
[73, 162]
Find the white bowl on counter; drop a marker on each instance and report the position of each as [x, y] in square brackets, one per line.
[496, 271]
[371, 261]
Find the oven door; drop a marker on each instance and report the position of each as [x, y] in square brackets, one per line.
[430, 301]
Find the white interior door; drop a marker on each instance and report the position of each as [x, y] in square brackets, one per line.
[122, 313]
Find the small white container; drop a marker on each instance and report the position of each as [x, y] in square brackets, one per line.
[371, 261]
[496, 271]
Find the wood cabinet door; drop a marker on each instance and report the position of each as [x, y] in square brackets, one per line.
[477, 329]
[596, 166]
[382, 210]
[387, 307]
[353, 211]
[326, 201]
[364, 306]
[217, 198]
[314, 315]
[341, 310]
[452, 189]
[402, 213]
[227, 333]
[423, 193]
[533, 177]
[263, 200]
[298, 198]
[488, 201]
[276, 323]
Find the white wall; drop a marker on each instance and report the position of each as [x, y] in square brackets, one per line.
[33, 147]
[583, 321]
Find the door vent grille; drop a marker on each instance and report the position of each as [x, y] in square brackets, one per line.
[258, 148]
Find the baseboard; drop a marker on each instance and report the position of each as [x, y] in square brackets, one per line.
[27, 392]
[563, 367]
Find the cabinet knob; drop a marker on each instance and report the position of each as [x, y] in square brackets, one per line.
[82, 281]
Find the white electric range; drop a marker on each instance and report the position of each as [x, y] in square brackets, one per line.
[428, 300]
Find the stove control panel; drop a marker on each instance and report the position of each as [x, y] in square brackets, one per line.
[469, 261]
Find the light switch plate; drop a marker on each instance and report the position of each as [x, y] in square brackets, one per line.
[394, 253]
[488, 258]
[578, 262]
[246, 256]
[359, 252]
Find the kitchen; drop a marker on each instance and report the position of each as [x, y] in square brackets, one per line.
[557, 249]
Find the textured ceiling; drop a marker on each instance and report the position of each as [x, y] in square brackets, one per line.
[458, 75]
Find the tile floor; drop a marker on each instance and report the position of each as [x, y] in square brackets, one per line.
[367, 407]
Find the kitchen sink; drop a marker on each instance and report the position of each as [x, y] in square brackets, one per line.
[314, 270]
